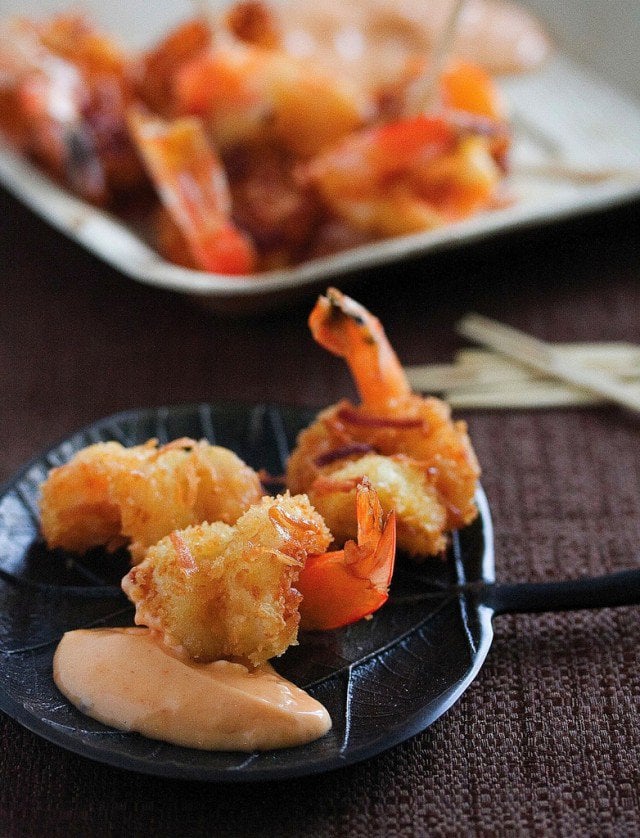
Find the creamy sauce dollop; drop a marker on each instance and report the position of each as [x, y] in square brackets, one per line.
[128, 679]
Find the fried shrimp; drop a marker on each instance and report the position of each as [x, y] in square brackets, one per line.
[341, 587]
[191, 182]
[407, 445]
[64, 90]
[401, 484]
[218, 591]
[111, 495]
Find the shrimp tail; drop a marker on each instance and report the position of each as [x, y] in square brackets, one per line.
[191, 182]
[343, 586]
[347, 329]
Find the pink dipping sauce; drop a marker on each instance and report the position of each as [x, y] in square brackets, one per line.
[128, 679]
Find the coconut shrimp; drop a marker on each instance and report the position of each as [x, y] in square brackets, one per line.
[64, 91]
[109, 495]
[415, 456]
[191, 182]
[418, 172]
[216, 591]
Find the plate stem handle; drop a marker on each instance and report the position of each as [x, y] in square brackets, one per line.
[614, 589]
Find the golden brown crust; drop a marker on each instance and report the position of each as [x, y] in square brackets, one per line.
[439, 464]
[108, 493]
[218, 591]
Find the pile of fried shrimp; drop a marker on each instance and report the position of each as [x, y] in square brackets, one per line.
[246, 157]
[221, 570]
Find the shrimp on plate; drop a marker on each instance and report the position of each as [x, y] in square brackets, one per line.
[343, 586]
[190, 179]
[417, 172]
[261, 156]
[215, 591]
[110, 495]
[64, 90]
[251, 94]
[416, 457]
[258, 111]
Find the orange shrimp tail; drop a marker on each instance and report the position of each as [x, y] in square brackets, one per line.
[348, 330]
[375, 536]
[226, 250]
[342, 587]
[190, 179]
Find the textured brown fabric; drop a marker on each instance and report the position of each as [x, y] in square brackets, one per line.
[547, 739]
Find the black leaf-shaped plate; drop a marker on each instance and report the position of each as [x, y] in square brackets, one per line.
[382, 680]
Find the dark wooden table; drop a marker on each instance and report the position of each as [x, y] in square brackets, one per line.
[547, 739]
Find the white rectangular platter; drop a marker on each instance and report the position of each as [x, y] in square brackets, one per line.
[576, 149]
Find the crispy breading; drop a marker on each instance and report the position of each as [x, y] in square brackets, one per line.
[111, 495]
[217, 591]
[401, 485]
[391, 421]
[439, 465]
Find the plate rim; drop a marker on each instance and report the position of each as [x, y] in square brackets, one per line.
[414, 724]
[39, 193]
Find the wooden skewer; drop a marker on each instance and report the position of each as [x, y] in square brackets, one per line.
[532, 395]
[481, 367]
[541, 356]
[424, 93]
[526, 394]
[617, 357]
